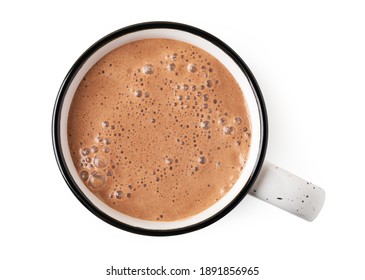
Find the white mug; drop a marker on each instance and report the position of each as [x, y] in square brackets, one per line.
[259, 178]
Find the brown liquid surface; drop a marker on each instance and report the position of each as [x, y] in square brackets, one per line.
[158, 129]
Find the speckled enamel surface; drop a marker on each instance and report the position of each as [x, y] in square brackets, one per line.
[288, 192]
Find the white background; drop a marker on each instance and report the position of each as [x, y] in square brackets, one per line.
[309, 60]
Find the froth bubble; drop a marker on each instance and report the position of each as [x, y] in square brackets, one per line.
[94, 149]
[205, 97]
[237, 120]
[110, 173]
[106, 149]
[101, 161]
[153, 120]
[98, 139]
[168, 161]
[97, 179]
[106, 141]
[228, 130]
[85, 151]
[222, 121]
[171, 67]
[147, 94]
[184, 87]
[105, 124]
[202, 160]
[192, 68]
[209, 83]
[147, 69]
[205, 125]
[118, 194]
[84, 175]
[193, 87]
[179, 97]
[138, 93]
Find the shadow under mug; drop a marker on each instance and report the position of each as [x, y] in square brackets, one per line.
[262, 179]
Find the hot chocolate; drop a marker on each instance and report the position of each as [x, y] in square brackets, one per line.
[158, 129]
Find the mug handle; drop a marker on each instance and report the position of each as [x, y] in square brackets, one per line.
[288, 192]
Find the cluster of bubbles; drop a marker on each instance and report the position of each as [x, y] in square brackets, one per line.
[96, 164]
[95, 159]
[197, 96]
[138, 93]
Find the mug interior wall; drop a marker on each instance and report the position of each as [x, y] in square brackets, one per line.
[251, 102]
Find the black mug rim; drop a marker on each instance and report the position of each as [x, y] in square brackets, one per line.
[56, 135]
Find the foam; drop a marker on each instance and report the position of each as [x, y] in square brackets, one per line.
[158, 129]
